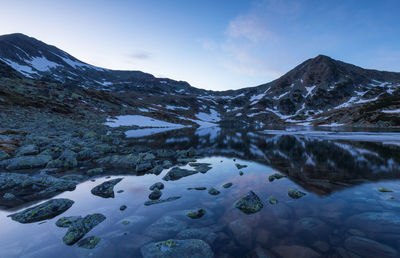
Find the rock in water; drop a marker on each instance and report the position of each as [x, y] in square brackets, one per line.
[106, 189]
[213, 191]
[275, 176]
[273, 200]
[89, 242]
[47, 210]
[384, 190]
[227, 185]
[170, 199]
[157, 185]
[78, 227]
[178, 173]
[196, 214]
[155, 194]
[194, 248]
[250, 203]
[296, 194]
[369, 248]
[239, 166]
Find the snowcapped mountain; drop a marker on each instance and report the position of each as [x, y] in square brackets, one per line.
[320, 91]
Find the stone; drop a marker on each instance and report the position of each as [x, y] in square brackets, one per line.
[227, 185]
[3, 155]
[67, 159]
[201, 167]
[95, 171]
[30, 149]
[239, 166]
[46, 210]
[378, 222]
[89, 242]
[384, 190]
[26, 162]
[172, 248]
[213, 191]
[123, 207]
[275, 176]
[196, 214]
[9, 196]
[321, 246]
[155, 194]
[249, 203]
[310, 227]
[296, 194]
[78, 227]
[369, 248]
[177, 173]
[169, 199]
[273, 200]
[199, 188]
[241, 173]
[165, 227]
[106, 189]
[142, 167]
[157, 185]
[242, 233]
[295, 251]
[157, 170]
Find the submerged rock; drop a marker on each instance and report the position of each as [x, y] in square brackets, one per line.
[275, 176]
[170, 199]
[106, 189]
[78, 226]
[239, 166]
[205, 234]
[250, 203]
[165, 227]
[273, 200]
[241, 232]
[155, 194]
[89, 242]
[194, 248]
[177, 173]
[369, 248]
[47, 210]
[196, 214]
[227, 185]
[157, 185]
[26, 162]
[213, 191]
[384, 190]
[378, 222]
[296, 194]
[200, 188]
[295, 251]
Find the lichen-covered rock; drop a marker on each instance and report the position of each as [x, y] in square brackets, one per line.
[177, 173]
[155, 194]
[9, 196]
[43, 211]
[213, 191]
[67, 159]
[205, 234]
[78, 227]
[275, 176]
[196, 214]
[169, 199]
[250, 203]
[384, 190]
[273, 200]
[3, 155]
[106, 189]
[26, 162]
[30, 149]
[296, 194]
[89, 242]
[194, 248]
[156, 170]
[157, 185]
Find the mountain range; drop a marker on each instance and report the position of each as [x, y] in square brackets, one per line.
[319, 91]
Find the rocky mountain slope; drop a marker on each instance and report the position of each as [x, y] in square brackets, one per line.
[320, 91]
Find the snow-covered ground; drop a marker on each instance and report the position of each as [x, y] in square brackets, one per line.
[148, 131]
[393, 111]
[130, 120]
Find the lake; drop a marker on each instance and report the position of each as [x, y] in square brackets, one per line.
[349, 206]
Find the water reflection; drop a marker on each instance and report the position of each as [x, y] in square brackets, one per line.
[320, 161]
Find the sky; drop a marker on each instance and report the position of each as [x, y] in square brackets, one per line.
[215, 45]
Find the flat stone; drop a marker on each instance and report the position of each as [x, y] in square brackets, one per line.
[169, 199]
[227, 185]
[296, 194]
[194, 248]
[26, 162]
[106, 189]
[178, 173]
[165, 227]
[46, 210]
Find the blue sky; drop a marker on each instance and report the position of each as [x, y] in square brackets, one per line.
[213, 44]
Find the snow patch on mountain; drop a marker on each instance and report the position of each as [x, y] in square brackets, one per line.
[131, 120]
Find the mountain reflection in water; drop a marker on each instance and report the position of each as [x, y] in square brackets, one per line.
[319, 161]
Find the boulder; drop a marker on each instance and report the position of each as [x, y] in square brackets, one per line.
[249, 203]
[26, 162]
[106, 189]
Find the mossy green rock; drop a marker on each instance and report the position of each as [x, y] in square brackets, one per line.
[250, 203]
[89, 242]
[296, 194]
[275, 176]
[26, 162]
[196, 214]
[273, 200]
[194, 248]
[47, 210]
[384, 190]
[78, 227]
[239, 166]
[178, 173]
[106, 189]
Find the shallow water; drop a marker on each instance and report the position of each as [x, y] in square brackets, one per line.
[342, 203]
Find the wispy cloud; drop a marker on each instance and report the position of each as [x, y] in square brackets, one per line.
[140, 56]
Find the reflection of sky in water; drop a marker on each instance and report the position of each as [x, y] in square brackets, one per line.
[279, 220]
